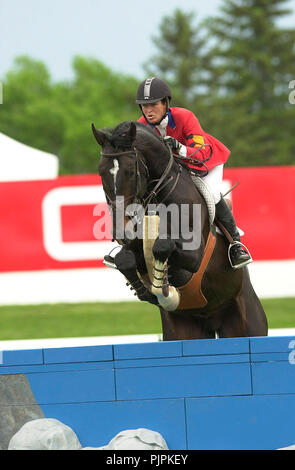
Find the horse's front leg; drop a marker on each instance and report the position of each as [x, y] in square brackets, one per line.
[125, 261]
[168, 297]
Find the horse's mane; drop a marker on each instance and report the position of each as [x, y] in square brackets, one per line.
[145, 136]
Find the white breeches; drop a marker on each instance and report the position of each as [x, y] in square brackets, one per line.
[214, 181]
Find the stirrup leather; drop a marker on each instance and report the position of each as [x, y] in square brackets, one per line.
[248, 261]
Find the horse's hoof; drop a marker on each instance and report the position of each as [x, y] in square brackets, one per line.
[125, 260]
[162, 249]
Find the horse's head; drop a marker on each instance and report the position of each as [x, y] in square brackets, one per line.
[122, 168]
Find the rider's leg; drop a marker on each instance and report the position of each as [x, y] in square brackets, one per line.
[214, 181]
[239, 257]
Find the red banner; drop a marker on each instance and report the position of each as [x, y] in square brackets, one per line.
[55, 224]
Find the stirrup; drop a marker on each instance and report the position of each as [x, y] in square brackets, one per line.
[109, 260]
[244, 263]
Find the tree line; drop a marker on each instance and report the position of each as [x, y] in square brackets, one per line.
[235, 71]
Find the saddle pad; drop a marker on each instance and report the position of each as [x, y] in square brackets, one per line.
[207, 195]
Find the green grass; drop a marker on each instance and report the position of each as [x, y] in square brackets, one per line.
[76, 320]
[106, 319]
[280, 312]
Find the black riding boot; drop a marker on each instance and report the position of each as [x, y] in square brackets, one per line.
[238, 256]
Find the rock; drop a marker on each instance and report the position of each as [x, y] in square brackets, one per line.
[51, 434]
[44, 434]
[17, 406]
[135, 439]
[292, 447]
[95, 448]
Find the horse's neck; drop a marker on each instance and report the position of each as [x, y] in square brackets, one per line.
[157, 158]
[157, 162]
[155, 153]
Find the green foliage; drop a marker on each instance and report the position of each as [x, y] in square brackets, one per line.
[249, 69]
[96, 95]
[28, 112]
[179, 59]
[57, 117]
[237, 67]
[233, 71]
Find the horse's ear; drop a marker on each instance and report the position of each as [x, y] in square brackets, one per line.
[100, 136]
[132, 131]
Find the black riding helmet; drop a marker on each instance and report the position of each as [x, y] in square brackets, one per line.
[152, 90]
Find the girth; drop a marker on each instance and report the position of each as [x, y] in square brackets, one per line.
[191, 295]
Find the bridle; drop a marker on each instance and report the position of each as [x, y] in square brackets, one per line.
[138, 183]
[161, 183]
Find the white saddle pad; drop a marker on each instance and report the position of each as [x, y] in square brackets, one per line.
[208, 197]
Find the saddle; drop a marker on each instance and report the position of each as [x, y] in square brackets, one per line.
[191, 295]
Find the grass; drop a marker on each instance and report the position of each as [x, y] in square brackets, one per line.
[106, 319]
[77, 320]
[280, 312]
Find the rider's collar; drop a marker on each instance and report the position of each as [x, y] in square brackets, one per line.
[162, 126]
[171, 122]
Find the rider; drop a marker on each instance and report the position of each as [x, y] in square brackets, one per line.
[183, 133]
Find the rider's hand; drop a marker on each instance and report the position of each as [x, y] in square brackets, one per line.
[173, 143]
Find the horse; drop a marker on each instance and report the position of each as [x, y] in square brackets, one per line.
[187, 276]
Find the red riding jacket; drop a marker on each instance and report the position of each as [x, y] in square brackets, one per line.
[184, 126]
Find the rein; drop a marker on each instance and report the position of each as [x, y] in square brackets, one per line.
[161, 183]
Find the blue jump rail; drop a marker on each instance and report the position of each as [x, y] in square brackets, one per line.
[231, 393]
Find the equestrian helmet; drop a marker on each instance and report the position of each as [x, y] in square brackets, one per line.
[152, 90]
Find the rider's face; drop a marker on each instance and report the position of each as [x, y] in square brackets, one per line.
[154, 111]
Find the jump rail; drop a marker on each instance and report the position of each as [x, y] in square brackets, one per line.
[233, 393]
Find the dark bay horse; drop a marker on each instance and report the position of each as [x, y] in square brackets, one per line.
[186, 272]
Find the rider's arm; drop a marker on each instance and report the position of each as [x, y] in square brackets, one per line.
[194, 138]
